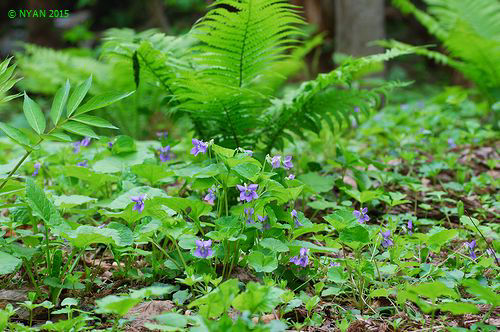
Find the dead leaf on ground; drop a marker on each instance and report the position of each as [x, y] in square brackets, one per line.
[145, 312]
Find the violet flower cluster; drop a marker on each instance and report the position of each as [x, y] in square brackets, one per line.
[287, 162]
[302, 259]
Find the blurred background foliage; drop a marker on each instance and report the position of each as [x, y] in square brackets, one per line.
[99, 39]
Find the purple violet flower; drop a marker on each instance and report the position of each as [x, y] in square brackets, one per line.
[164, 153]
[386, 242]
[83, 164]
[472, 245]
[491, 252]
[276, 161]
[265, 223]
[199, 146]
[295, 218]
[76, 147]
[139, 203]
[37, 168]
[291, 177]
[249, 215]
[85, 142]
[110, 145]
[302, 259]
[248, 192]
[287, 163]
[249, 153]
[356, 109]
[410, 227]
[210, 197]
[203, 249]
[451, 143]
[334, 264]
[361, 215]
[162, 134]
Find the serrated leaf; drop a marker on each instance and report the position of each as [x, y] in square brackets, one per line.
[34, 114]
[59, 102]
[77, 96]
[42, 207]
[101, 101]
[79, 129]
[94, 121]
[15, 134]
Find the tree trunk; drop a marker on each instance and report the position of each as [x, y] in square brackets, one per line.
[358, 22]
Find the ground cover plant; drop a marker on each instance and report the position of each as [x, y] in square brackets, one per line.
[342, 203]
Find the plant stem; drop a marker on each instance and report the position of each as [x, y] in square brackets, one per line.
[19, 163]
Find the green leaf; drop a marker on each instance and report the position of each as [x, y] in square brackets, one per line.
[274, 244]
[85, 235]
[318, 183]
[8, 263]
[258, 298]
[261, 262]
[77, 96]
[341, 219]
[101, 101]
[247, 170]
[433, 290]
[218, 301]
[459, 308]
[484, 293]
[42, 207]
[58, 137]
[94, 121]
[15, 134]
[355, 234]
[124, 144]
[79, 129]
[439, 239]
[34, 115]
[153, 173]
[69, 201]
[59, 103]
[113, 304]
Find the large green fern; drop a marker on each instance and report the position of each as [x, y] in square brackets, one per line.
[470, 31]
[242, 45]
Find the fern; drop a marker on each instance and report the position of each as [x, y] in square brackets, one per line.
[470, 31]
[239, 46]
[239, 50]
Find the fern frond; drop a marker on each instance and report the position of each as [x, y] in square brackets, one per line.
[295, 112]
[470, 31]
[238, 46]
